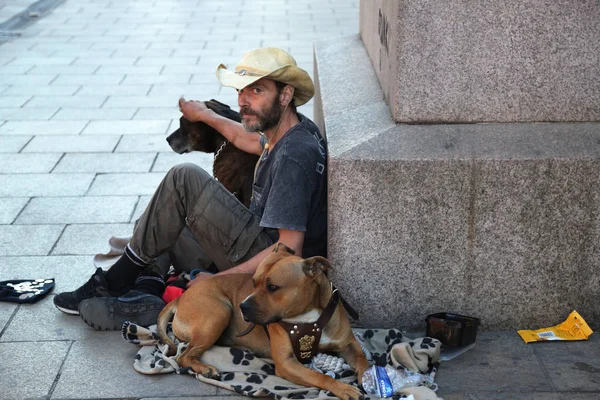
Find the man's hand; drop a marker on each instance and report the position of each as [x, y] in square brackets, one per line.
[201, 276]
[193, 110]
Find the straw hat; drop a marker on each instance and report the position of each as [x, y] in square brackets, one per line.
[271, 63]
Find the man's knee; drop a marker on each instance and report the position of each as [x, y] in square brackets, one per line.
[188, 171]
[186, 168]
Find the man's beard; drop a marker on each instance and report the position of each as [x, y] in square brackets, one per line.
[266, 120]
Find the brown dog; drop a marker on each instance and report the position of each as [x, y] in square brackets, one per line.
[286, 289]
[232, 167]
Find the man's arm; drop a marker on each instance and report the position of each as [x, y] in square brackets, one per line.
[292, 239]
[196, 111]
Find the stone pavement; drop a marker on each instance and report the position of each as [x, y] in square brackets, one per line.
[87, 95]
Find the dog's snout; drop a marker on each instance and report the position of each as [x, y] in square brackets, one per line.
[245, 306]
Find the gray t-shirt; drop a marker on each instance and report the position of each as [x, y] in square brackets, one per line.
[290, 190]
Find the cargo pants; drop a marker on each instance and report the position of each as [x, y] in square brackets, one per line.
[192, 212]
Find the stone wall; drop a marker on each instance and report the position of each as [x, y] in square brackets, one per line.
[498, 221]
[485, 61]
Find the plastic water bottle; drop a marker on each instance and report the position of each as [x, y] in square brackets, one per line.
[386, 381]
[377, 381]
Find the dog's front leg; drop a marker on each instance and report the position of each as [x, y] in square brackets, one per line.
[355, 357]
[288, 367]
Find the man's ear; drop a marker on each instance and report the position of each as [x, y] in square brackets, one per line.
[287, 95]
[315, 265]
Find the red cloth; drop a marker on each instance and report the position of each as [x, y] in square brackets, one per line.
[171, 293]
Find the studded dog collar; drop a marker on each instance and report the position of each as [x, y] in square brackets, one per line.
[305, 337]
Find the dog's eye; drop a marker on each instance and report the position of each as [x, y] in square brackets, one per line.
[272, 288]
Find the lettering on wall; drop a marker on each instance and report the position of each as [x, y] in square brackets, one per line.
[383, 28]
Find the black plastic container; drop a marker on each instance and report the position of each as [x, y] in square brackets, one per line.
[452, 329]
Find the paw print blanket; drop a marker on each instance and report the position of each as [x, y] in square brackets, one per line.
[243, 373]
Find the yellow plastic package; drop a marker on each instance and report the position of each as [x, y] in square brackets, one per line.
[574, 328]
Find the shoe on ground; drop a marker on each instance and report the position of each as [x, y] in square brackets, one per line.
[68, 302]
[109, 313]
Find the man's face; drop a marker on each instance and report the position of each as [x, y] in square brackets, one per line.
[259, 106]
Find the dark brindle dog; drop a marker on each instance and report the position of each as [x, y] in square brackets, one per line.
[232, 167]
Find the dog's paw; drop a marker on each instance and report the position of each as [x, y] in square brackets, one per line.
[208, 371]
[347, 392]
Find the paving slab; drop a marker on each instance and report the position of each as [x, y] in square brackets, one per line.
[27, 163]
[144, 143]
[495, 355]
[65, 79]
[126, 61]
[50, 323]
[189, 91]
[10, 208]
[105, 364]
[29, 185]
[126, 184]
[56, 90]
[105, 162]
[72, 144]
[207, 70]
[42, 127]
[136, 79]
[63, 69]
[12, 144]
[69, 272]
[513, 395]
[6, 312]
[142, 101]
[77, 210]
[137, 127]
[71, 113]
[165, 113]
[140, 207]
[220, 396]
[23, 377]
[29, 79]
[572, 366]
[76, 101]
[156, 60]
[165, 161]
[150, 52]
[113, 46]
[41, 113]
[28, 240]
[42, 61]
[13, 101]
[133, 69]
[89, 239]
[124, 90]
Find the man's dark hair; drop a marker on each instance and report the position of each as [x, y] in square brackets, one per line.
[280, 86]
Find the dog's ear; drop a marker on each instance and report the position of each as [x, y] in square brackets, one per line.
[282, 247]
[212, 102]
[315, 268]
[315, 265]
[223, 110]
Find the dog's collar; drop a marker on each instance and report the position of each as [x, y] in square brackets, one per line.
[220, 149]
[305, 337]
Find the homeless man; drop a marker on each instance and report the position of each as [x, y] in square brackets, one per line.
[288, 203]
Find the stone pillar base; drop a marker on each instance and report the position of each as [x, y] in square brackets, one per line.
[497, 221]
